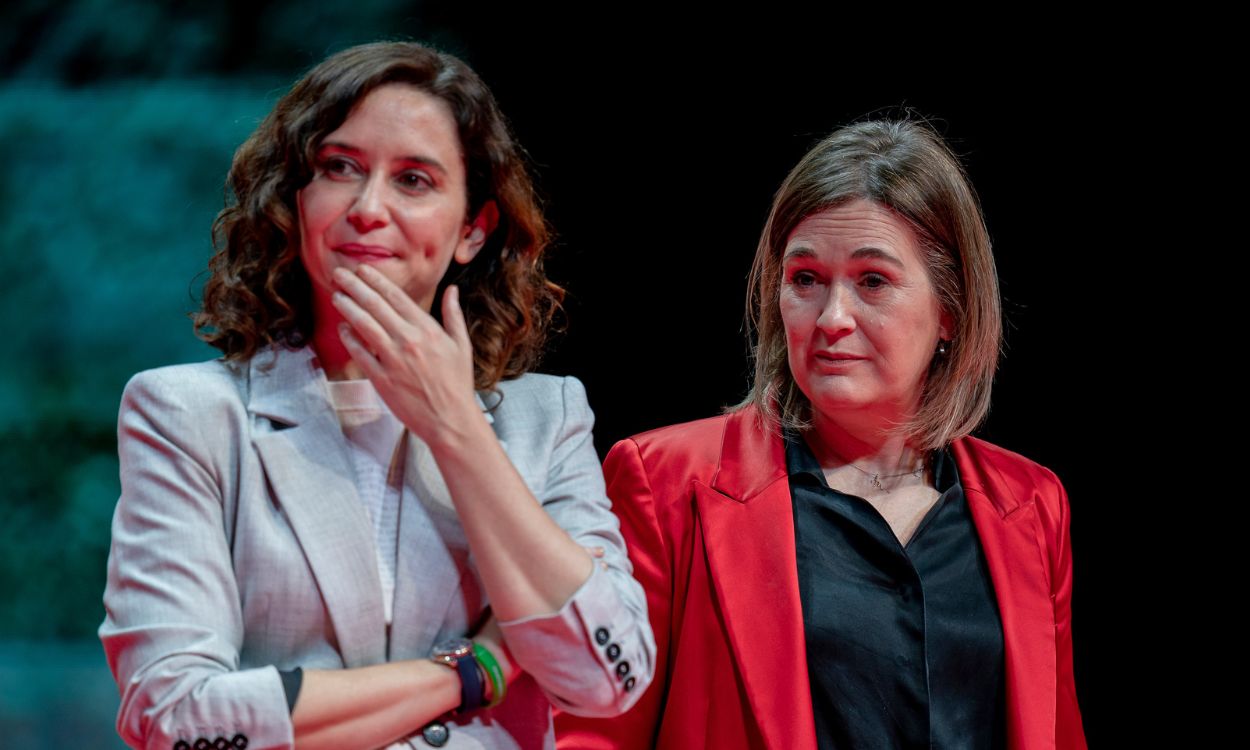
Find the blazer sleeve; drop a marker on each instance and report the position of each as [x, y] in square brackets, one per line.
[1069, 730]
[630, 487]
[596, 655]
[173, 624]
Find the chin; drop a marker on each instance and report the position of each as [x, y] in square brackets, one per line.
[840, 399]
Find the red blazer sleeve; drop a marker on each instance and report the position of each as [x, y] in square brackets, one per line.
[1069, 731]
[633, 501]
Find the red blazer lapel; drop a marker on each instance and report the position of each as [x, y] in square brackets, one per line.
[747, 524]
[1011, 534]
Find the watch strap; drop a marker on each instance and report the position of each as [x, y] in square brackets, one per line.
[471, 692]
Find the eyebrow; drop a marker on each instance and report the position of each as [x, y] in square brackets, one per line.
[860, 254]
[428, 161]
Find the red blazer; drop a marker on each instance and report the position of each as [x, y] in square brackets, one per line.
[706, 512]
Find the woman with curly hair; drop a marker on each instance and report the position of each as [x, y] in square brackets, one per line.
[367, 523]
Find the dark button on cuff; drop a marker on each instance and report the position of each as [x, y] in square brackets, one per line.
[239, 741]
[221, 743]
[201, 743]
[614, 652]
[629, 684]
[622, 669]
[601, 636]
[436, 733]
[182, 745]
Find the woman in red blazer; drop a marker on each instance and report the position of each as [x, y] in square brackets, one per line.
[836, 562]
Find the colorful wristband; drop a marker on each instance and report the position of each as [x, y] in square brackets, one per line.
[497, 683]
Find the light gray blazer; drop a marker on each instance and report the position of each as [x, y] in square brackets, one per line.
[240, 547]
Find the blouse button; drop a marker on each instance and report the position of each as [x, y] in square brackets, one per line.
[601, 636]
[436, 733]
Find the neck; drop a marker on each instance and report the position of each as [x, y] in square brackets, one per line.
[873, 448]
[335, 361]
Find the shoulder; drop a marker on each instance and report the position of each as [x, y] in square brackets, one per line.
[676, 453]
[1005, 464]
[700, 438]
[192, 412]
[536, 399]
[1008, 478]
[544, 421]
[188, 386]
[535, 387]
[1004, 460]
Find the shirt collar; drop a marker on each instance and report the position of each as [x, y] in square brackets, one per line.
[801, 463]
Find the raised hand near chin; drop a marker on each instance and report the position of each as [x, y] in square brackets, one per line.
[422, 370]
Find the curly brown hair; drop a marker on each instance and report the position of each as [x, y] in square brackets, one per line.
[905, 166]
[258, 292]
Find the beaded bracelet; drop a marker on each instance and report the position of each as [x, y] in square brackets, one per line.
[488, 663]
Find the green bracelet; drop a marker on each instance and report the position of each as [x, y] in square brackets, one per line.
[497, 684]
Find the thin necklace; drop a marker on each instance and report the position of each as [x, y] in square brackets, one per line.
[876, 477]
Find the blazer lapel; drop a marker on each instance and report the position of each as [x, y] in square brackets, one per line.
[747, 522]
[312, 481]
[1011, 535]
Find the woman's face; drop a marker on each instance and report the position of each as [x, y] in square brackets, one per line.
[861, 317]
[388, 189]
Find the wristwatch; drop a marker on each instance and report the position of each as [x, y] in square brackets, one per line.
[457, 653]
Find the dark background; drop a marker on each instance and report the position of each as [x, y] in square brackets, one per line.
[657, 143]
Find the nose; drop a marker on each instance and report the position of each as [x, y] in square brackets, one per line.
[368, 210]
[837, 317]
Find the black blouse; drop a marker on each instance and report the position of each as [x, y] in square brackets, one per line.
[904, 644]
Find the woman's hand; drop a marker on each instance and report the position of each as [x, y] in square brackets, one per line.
[422, 370]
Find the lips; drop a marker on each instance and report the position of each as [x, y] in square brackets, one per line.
[363, 252]
[835, 361]
[838, 357]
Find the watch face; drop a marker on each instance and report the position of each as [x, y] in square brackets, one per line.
[454, 647]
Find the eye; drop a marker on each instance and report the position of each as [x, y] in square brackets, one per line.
[874, 280]
[414, 181]
[803, 279]
[338, 166]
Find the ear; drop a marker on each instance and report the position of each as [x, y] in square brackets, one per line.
[476, 232]
[946, 326]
